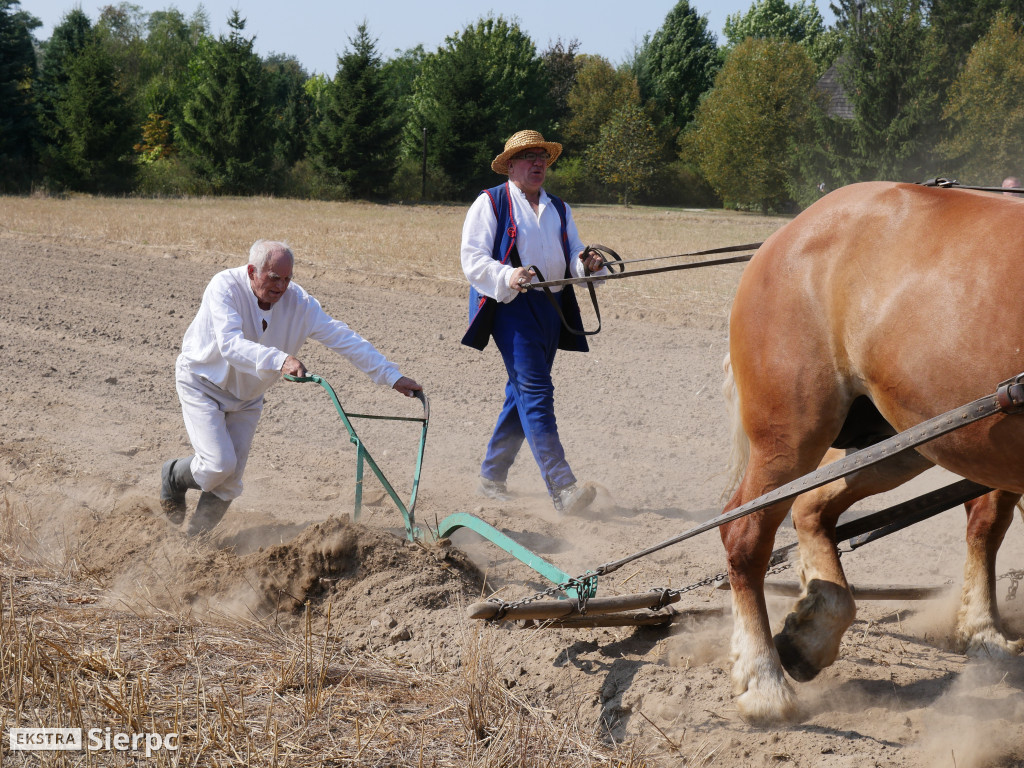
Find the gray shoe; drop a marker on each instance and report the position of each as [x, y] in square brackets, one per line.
[494, 489]
[573, 499]
[175, 479]
[209, 512]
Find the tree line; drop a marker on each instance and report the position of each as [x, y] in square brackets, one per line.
[155, 104]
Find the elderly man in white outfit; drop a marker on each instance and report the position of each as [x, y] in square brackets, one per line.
[252, 322]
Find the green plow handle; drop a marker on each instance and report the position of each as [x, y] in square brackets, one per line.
[363, 455]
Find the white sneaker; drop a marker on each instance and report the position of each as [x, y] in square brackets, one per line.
[573, 498]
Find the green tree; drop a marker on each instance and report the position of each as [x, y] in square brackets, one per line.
[778, 20]
[890, 71]
[473, 93]
[677, 65]
[93, 128]
[985, 111]
[400, 74]
[172, 40]
[561, 64]
[122, 29]
[17, 115]
[744, 134]
[292, 108]
[627, 153]
[599, 91]
[959, 24]
[226, 133]
[66, 42]
[354, 147]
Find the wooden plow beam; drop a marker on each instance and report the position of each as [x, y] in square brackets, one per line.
[548, 610]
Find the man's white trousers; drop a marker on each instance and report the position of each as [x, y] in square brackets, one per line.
[221, 429]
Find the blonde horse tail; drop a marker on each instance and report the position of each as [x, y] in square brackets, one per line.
[739, 451]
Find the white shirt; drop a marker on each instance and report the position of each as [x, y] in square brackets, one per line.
[538, 240]
[227, 346]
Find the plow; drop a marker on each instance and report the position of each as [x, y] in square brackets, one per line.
[574, 601]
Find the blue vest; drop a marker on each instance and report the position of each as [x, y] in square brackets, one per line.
[482, 308]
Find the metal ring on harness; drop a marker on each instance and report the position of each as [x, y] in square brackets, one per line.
[604, 251]
[558, 306]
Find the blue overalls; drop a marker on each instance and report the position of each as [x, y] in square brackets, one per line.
[527, 332]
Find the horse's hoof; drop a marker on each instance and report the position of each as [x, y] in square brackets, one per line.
[759, 709]
[793, 660]
[993, 646]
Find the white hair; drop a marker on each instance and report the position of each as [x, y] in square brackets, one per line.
[262, 250]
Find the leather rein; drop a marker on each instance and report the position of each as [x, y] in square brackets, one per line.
[617, 270]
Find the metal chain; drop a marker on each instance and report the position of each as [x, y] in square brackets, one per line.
[585, 586]
[1015, 578]
[776, 565]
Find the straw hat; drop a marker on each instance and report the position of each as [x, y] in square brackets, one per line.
[525, 140]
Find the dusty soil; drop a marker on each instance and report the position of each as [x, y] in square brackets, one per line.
[89, 336]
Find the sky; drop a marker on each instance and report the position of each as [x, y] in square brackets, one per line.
[317, 31]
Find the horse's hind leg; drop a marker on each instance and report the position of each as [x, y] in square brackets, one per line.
[978, 627]
[810, 639]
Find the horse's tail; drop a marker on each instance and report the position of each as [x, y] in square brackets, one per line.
[739, 451]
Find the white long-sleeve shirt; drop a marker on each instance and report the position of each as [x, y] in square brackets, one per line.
[227, 346]
[538, 240]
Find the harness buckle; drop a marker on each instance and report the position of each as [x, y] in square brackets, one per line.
[1010, 394]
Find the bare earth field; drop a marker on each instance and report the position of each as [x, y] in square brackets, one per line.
[96, 297]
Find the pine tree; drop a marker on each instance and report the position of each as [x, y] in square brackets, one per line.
[355, 145]
[958, 24]
[17, 116]
[678, 64]
[66, 42]
[226, 133]
[890, 71]
[86, 122]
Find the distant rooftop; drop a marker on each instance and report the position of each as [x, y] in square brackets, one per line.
[838, 104]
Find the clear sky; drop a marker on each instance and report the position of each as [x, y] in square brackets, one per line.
[316, 31]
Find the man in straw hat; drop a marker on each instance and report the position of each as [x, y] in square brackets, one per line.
[512, 232]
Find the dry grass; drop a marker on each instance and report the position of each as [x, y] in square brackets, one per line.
[395, 240]
[242, 693]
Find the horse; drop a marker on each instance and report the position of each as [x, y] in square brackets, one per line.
[878, 307]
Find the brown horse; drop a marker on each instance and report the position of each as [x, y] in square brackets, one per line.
[907, 296]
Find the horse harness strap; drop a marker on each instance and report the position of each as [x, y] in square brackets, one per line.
[954, 184]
